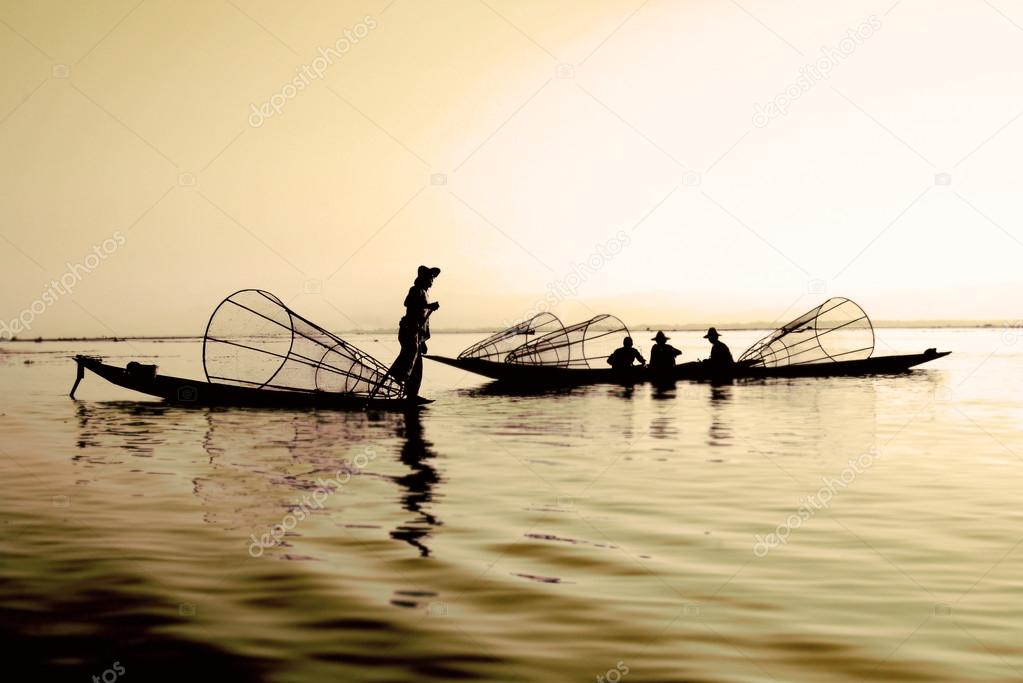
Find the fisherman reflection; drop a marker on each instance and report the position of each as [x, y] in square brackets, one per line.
[416, 454]
[720, 432]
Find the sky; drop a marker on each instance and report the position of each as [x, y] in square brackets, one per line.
[667, 161]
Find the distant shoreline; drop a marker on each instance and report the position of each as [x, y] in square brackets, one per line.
[737, 327]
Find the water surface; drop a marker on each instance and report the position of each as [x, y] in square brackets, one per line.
[614, 532]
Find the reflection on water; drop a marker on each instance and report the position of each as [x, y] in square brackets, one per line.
[719, 433]
[527, 536]
[416, 454]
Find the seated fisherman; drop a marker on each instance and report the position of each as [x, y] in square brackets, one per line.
[623, 357]
[720, 357]
[662, 354]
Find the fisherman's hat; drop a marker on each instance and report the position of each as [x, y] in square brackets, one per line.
[659, 337]
[712, 333]
[424, 271]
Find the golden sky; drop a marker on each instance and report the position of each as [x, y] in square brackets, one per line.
[666, 161]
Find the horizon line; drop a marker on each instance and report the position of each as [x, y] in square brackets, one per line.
[734, 327]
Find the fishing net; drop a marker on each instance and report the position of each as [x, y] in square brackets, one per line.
[583, 345]
[254, 340]
[497, 346]
[837, 330]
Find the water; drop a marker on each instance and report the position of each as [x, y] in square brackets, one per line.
[604, 532]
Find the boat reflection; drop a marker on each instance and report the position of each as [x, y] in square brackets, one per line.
[264, 464]
[663, 389]
[416, 454]
[256, 463]
[134, 427]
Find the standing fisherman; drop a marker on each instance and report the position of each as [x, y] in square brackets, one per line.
[413, 331]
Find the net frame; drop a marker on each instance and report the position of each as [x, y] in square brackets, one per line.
[791, 345]
[360, 368]
[497, 346]
[574, 346]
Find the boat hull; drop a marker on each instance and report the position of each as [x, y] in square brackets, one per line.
[183, 391]
[543, 375]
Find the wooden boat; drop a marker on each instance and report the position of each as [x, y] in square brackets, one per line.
[192, 392]
[545, 375]
[833, 339]
[259, 352]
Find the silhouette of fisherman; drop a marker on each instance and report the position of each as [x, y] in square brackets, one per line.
[720, 357]
[662, 354]
[623, 357]
[417, 454]
[413, 331]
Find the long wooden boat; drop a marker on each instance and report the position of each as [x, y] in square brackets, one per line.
[192, 392]
[258, 352]
[550, 375]
[833, 339]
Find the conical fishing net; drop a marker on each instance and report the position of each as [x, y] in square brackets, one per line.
[583, 345]
[497, 346]
[254, 340]
[837, 330]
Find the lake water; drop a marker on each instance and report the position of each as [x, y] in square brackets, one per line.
[849, 529]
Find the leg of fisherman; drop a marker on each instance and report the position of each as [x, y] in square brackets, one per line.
[415, 379]
[404, 363]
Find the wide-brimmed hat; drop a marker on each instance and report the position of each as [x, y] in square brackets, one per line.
[425, 271]
[712, 333]
[659, 337]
